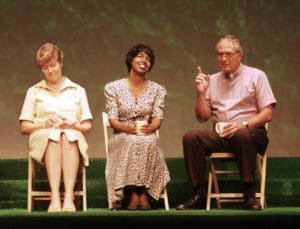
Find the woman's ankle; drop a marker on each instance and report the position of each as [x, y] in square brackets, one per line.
[134, 199]
[68, 200]
[143, 199]
[55, 200]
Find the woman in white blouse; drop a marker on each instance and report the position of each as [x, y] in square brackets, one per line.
[55, 115]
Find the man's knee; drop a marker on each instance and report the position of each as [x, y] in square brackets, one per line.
[189, 137]
[241, 135]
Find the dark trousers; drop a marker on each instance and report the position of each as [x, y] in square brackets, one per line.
[245, 144]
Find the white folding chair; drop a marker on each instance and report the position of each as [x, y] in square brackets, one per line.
[106, 126]
[213, 190]
[35, 193]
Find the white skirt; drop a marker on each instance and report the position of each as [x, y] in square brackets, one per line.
[38, 142]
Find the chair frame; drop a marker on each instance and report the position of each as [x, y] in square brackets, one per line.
[261, 168]
[35, 195]
[106, 125]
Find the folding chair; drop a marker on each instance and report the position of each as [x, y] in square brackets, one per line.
[106, 125]
[38, 187]
[220, 197]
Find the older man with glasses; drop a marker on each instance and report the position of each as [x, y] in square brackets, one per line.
[242, 97]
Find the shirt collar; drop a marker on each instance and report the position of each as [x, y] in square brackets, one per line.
[67, 83]
[234, 74]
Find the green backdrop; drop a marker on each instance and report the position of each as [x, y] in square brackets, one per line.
[95, 35]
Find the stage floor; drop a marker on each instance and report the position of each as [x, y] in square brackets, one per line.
[280, 217]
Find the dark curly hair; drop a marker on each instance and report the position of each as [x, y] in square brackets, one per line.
[133, 52]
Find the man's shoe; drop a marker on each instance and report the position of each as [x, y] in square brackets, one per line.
[252, 204]
[196, 202]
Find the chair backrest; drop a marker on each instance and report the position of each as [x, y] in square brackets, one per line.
[267, 126]
[106, 124]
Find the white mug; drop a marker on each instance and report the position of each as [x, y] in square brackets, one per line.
[138, 126]
[220, 128]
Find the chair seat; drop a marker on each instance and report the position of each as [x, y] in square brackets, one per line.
[213, 190]
[35, 193]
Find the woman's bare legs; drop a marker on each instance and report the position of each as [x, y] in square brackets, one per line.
[62, 158]
[143, 200]
[134, 199]
[70, 165]
[53, 158]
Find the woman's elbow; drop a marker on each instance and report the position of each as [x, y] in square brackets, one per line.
[24, 130]
[87, 126]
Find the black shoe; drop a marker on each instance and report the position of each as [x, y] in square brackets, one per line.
[116, 206]
[196, 202]
[252, 204]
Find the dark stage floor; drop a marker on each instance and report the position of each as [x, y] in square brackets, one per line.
[279, 217]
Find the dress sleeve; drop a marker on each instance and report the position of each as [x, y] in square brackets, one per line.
[159, 102]
[111, 106]
[85, 108]
[28, 110]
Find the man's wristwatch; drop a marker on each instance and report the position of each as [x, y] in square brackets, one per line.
[245, 123]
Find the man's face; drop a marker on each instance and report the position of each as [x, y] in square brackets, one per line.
[228, 57]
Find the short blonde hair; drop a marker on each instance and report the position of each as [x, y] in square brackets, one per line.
[48, 52]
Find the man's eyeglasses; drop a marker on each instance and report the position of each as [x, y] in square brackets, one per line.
[227, 55]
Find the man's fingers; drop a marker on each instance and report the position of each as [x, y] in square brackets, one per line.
[199, 70]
